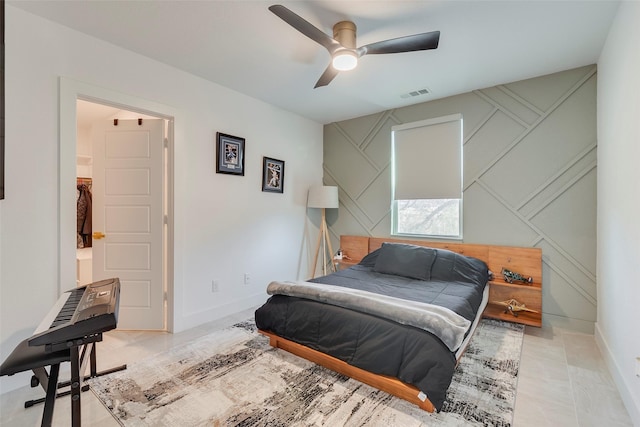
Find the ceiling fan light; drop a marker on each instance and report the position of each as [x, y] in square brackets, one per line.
[345, 60]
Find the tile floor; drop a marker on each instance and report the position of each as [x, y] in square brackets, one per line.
[563, 380]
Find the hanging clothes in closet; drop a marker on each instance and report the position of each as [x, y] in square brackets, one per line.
[84, 216]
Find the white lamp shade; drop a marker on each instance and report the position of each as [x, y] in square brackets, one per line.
[322, 196]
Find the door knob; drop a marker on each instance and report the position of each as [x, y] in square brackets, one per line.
[98, 235]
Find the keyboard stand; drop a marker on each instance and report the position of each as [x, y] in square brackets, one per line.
[24, 358]
[78, 367]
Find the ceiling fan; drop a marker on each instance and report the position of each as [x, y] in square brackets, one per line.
[342, 47]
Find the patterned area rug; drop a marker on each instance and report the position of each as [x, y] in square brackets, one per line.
[232, 377]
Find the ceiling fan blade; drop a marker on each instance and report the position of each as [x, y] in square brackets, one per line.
[329, 74]
[304, 27]
[412, 43]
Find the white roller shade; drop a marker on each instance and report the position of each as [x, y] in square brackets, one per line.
[427, 159]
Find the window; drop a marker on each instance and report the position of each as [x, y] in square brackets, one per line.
[427, 178]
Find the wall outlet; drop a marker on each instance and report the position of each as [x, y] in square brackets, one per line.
[215, 285]
[247, 278]
[637, 366]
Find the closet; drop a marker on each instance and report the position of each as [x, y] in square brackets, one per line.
[84, 174]
[83, 231]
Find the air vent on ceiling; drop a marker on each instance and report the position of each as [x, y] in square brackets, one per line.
[413, 93]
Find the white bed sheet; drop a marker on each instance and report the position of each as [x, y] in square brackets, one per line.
[474, 325]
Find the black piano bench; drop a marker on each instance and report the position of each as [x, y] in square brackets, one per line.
[27, 358]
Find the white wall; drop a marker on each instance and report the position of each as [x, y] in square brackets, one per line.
[224, 225]
[619, 203]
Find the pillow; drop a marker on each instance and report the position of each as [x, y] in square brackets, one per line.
[454, 267]
[405, 260]
[370, 259]
[442, 268]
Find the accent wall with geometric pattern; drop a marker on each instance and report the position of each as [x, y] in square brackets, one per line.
[529, 177]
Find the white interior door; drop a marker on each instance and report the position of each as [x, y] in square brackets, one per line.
[128, 210]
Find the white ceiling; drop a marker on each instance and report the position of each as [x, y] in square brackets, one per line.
[240, 44]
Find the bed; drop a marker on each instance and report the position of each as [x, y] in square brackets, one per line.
[398, 317]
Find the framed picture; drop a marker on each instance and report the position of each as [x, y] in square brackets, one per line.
[272, 175]
[229, 154]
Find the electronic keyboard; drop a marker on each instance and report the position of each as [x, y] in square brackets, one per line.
[80, 312]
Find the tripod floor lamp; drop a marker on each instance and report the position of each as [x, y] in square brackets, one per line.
[323, 197]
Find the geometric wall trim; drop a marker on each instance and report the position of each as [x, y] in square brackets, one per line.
[530, 169]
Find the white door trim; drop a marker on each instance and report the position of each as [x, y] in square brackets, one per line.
[70, 91]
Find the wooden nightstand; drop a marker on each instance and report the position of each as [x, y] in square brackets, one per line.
[529, 295]
[527, 262]
[341, 264]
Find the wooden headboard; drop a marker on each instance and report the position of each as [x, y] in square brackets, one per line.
[524, 260]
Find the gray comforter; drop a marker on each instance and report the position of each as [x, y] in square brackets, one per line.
[447, 325]
[366, 337]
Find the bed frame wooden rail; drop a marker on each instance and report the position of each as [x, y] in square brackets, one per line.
[524, 260]
[385, 383]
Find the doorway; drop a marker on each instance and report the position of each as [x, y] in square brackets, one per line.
[120, 208]
[76, 101]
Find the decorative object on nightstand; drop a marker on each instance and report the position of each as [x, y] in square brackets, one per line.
[512, 276]
[323, 197]
[513, 306]
[344, 262]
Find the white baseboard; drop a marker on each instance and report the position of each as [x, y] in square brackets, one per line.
[630, 401]
[192, 320]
